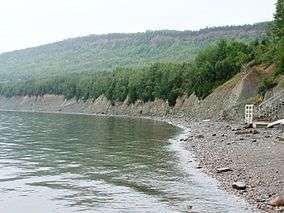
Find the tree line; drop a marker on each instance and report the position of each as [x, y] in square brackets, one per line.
[212, 66]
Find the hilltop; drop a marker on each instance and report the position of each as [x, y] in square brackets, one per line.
[106, 52]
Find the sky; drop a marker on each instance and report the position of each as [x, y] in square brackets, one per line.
[28, 23]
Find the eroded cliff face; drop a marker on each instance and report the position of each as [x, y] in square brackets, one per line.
[227, 101]
[53, 103]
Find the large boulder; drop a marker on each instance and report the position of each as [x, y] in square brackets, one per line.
[277, 201]
[239, 185]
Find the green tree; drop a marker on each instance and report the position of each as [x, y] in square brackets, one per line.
[279, 19]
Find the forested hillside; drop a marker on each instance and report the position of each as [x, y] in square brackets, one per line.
[217, 62]
[212, 67]
[105, 52]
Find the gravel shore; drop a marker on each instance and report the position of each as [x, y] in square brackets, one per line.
[230, 153]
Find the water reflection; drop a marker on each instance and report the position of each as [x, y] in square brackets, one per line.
[70, 163]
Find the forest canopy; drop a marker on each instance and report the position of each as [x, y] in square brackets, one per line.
[97, 53]
[212, 66]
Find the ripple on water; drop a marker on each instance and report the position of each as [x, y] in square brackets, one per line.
[68, 163]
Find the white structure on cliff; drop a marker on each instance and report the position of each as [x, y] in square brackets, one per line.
[268, 111]
[249, 114]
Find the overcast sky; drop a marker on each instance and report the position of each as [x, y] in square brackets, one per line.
[27, 23]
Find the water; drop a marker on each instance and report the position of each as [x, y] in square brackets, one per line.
[75, 163]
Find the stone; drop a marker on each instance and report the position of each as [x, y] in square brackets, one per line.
[214, 134]
[240, 133]
[244, 132]
[200, 136]
[254, 140]
[254, 131]
[248, 126]
[189, 207]
[224, 169]
[199, 167]
[239, 185]
[262, 198]
[277, 201]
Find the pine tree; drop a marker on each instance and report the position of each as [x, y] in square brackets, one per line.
[279, 19]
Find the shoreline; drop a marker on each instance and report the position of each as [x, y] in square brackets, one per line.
[220, 136]
[254, 158]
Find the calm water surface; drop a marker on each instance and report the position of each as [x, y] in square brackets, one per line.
[72, 163]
